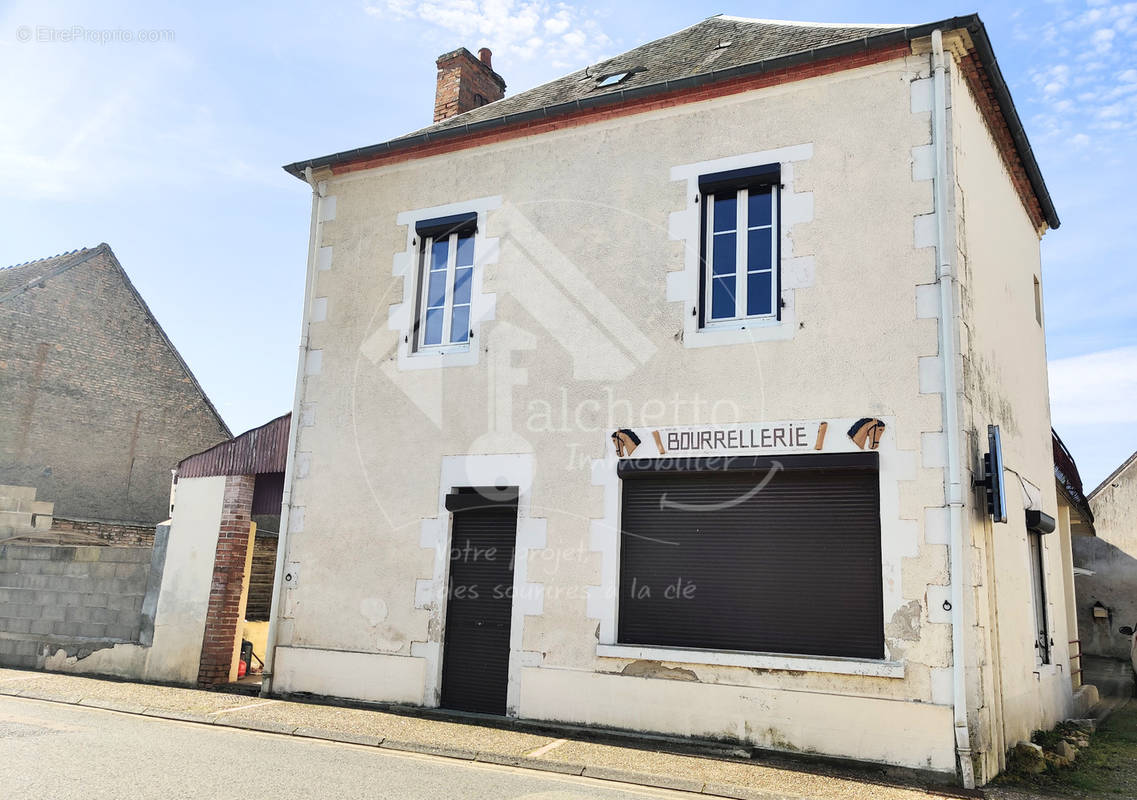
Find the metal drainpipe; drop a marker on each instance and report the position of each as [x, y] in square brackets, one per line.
[953, 471]
[293, 430]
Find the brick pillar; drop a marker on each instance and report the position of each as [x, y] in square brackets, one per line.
[221, 622]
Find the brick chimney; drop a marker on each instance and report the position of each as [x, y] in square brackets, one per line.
[465, 82]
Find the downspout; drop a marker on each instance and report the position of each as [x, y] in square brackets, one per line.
[952, 436]
[293, 435]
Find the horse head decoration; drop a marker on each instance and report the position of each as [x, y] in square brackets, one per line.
[866, 433]
[626, 442]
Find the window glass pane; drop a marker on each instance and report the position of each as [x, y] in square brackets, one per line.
[462, 278]
[758, 255]
[758, 212]
[722, 297]
[433, 332]
[758, 298]
[726, 212]
[460, 324]
[724, 254]
[465, 250]
[436, 291]
[438, 254]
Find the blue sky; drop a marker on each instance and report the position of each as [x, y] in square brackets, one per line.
[170, 150]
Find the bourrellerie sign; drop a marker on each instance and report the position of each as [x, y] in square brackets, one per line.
[748, 438]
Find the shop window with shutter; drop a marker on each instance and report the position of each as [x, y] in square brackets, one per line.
[762, 557]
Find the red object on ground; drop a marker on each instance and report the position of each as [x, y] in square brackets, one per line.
[242, 668]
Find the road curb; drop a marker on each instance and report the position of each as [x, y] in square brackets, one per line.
[343, 737]
[735, 792]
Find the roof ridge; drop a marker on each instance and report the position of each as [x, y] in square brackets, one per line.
[49, 258]
[806, 23]
[1124, 466]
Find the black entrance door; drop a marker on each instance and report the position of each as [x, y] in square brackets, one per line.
[475, 660]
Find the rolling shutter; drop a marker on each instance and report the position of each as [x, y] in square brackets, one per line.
[709, 561]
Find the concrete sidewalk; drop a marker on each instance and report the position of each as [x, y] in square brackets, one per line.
[719, 771]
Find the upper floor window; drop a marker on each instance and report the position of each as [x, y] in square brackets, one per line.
[740, 279]
[446, 271]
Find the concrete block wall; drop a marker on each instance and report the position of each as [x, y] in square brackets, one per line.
[76, 599]
[21, 513]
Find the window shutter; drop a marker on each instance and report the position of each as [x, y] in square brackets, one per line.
[793, 567]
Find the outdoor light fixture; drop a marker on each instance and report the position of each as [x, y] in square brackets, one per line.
[992, 480]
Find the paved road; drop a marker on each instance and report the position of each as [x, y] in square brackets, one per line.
[50, 751]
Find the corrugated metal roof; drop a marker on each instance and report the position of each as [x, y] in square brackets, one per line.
[263, 449]
[1066, 474]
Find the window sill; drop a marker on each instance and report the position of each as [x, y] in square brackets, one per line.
[730, 658]
[449, 350]
[741, 324]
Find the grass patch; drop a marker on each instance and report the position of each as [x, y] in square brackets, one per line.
[1107, 767]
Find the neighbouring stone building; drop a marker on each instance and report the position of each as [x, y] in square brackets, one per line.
[653, 398]
[96, 405]
[1107, 578]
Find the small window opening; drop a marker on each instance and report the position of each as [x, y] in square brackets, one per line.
[613, 79]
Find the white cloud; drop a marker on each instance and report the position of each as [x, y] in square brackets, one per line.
[1084, 78]
[520, 30]
[1096, 388]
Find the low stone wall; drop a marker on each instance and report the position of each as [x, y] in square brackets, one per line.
[75, 599]
[116, 534]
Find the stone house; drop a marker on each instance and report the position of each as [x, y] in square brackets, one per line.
[96, 404]
[1107, 579]
[653, 398]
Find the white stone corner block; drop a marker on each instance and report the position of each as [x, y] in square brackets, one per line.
[596, 602]
[936, 529]
[401, 264]
[931, 375]
[677, 286]
[424, 594]
[923, 162]
[303, 465]
[296, 519]
[680, 222]
[307, 415]
[796, 207]
[922, 95]
[328, 209]
[432, 534]
[924, 230]
[314, 363]
[933, 450]
[324, 259]
[937, 596]
[319, 309]
[928, 301]
[943, 687]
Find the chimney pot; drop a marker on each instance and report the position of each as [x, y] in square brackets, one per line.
[486, 56]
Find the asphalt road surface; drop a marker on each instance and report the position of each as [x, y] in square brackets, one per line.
[51, 751]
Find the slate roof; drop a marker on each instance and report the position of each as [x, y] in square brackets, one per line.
[692, 51]
[695, 57]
